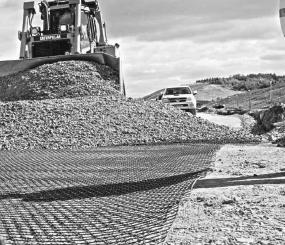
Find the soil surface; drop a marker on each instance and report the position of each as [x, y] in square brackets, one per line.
[241, 202]
[233, 121]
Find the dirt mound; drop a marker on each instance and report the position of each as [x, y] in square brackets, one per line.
[84, 110]
[104, 121]
[67, 79]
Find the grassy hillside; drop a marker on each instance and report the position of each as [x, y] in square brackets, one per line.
[258, 98]
[206, 92]
[234, 91]
[246, 82]
[153, 95]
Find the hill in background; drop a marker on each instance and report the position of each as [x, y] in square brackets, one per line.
[206, 92]
[246, 82]
[253, 91]
[257, 99]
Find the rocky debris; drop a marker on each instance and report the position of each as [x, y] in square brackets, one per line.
[231, 111]
[267, 118]
[67, 79]
[85, 110]
[280, 142]
[227, 201]
[270, 124]
[279, 124]
[278, 135]
[222, 110]
[254, 217]
[203, 109]
[218, 106]
[247, 121]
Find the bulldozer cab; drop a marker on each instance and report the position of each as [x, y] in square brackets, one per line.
[60, 21]
[68, 27]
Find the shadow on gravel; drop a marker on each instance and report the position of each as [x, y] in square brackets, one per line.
[275, 178]
[82, 192]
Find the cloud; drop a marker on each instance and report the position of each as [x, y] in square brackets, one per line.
[145, 18]
[274, 57]
[149, 66]
[10, 4]
[170, 42]
[220, 32]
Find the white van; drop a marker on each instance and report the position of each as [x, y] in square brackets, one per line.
[181, 97]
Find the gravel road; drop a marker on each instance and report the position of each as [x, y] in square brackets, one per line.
[241, 202]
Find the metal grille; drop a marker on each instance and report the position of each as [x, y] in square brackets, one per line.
[122, 195]
[177, 100]
[51, 48]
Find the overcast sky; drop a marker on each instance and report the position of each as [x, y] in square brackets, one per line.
[171, 42]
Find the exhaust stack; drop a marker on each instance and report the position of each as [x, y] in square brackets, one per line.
[282, 15]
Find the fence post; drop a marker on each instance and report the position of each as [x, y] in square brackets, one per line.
[270, 92]
[249, 102]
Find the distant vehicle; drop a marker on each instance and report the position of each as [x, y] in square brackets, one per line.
[181, 97]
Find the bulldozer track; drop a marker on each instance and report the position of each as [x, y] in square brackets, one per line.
[116, 195]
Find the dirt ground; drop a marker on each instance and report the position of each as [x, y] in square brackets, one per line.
[241, 202]
[233, 121]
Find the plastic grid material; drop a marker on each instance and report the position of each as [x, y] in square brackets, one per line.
[119, 195]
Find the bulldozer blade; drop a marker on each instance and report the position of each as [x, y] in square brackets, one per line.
[10, 67]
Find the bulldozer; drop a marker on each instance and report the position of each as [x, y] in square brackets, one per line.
[69, 30]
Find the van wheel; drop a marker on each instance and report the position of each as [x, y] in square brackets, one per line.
[193, 111]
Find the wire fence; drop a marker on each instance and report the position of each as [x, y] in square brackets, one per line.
[122, 195]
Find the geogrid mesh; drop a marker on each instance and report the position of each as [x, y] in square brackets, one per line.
[122, 195]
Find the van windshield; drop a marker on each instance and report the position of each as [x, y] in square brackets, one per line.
[175, 91]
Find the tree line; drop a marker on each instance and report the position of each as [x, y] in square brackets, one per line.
[246, 82]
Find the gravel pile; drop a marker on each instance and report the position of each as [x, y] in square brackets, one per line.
[67, 79]
[103, 119]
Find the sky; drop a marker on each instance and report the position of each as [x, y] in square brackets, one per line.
[172, 42]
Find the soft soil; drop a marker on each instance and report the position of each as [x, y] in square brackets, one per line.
[241, 202]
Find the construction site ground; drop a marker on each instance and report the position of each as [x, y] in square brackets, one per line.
[241, 202]
[117, 195]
